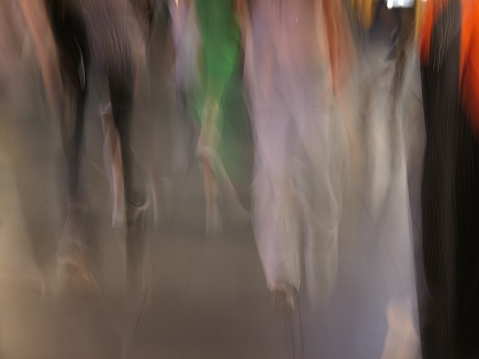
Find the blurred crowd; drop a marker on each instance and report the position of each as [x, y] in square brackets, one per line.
[298, 68]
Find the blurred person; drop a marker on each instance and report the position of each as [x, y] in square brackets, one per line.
[447, 268]
[219, 65]
[90, 33]
[298, 55]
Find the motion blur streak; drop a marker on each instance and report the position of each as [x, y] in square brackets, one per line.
[238, 179]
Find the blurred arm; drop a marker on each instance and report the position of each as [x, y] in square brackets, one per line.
[339, 45]
[38, 25]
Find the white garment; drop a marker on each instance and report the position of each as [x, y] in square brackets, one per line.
[294, 194]
[187, 40]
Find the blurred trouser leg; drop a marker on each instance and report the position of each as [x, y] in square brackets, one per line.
[70, 35]
[136, 200]
[72, 143]
[276, 218]
[321, 243]
[318, 181]
[322, 204]
[208, 146]
[72, 249]
[180, 132]
[136, 250]
[322, 216]
[291, 182]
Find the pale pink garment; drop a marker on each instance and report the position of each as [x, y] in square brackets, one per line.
[296, 194]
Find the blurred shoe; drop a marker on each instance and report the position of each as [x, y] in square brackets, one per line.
[282, 297]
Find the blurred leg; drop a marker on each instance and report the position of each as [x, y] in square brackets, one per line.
[320, 185]
[209, 138]
[276, 214]
[277, 211]
[70, 34]
[136, 201]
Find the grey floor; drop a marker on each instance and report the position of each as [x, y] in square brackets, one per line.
[209, 297]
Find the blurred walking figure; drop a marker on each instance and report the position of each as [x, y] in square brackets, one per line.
[448, 291]
[219, 67]
[92, 34]
[297, 58]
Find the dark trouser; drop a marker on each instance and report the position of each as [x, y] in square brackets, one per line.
[448, 292]
[71, 32]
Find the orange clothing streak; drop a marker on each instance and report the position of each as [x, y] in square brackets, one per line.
[469, 51]
[469, 71]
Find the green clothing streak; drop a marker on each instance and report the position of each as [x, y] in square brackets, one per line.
[220, 78]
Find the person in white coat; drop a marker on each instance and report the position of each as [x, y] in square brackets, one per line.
[295, 54]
